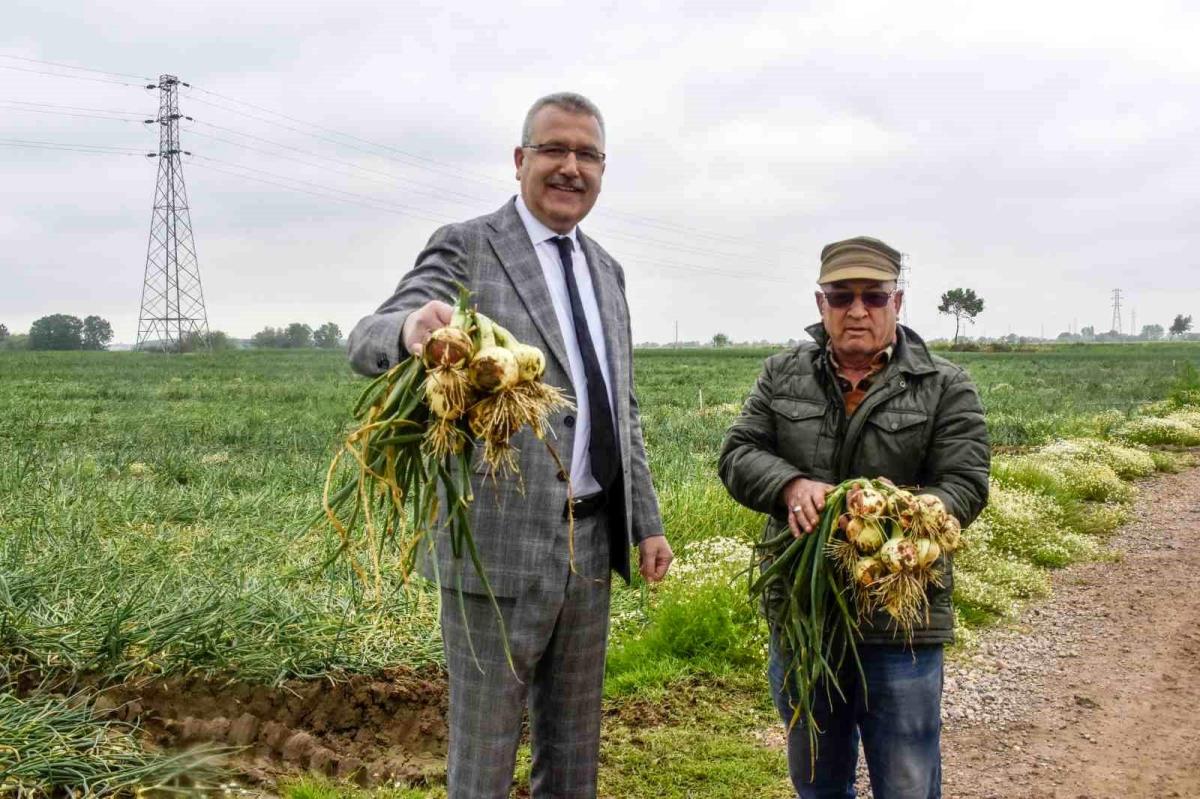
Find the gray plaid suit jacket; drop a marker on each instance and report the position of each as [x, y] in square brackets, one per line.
[515, 523]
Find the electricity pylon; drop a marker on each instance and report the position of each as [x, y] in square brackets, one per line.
[173, 317]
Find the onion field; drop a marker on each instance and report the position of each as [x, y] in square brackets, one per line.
[169, 616]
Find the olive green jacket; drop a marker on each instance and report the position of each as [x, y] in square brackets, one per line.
[920, 424]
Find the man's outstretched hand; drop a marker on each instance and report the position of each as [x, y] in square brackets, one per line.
[423, 321]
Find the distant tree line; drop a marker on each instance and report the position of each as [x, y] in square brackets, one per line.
[66, 332]
[60, 332]
[298, 335]
[1178, 330]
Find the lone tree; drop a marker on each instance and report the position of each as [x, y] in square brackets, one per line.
[328, 336]
[3, 333]
[56, 332]
[97, 333]
[1181, 325]
[720, 340]
[961, 304]
[1152, 332]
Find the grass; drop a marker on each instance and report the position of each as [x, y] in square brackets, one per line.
[48, 742]
[153, 511]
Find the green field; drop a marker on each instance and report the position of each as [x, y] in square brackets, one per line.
[153, 515]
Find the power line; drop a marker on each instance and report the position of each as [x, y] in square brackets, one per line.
[365, 202]
[455, 171]
[81, 148]
[71, 66]
[138, 114]
[56, 112]
[72, 77]
[425, 162]
[439, 194]
[351, 164]
[416, 212]
[354, 198]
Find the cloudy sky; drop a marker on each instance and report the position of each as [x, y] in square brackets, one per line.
[1043, 153]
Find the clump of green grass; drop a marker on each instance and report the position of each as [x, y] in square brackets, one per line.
[49, 747]
[702, 621]
[705, 628]
[317, 787]
[1171, 462]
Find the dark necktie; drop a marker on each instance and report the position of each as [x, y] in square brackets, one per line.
[602, 445]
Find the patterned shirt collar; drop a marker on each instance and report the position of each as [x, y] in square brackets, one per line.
[881, 359]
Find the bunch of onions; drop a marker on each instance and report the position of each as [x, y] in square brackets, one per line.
[876, 546]
[416, 429]
[887, 544]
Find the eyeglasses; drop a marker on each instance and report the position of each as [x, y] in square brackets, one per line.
[844, 298]
[587, 156]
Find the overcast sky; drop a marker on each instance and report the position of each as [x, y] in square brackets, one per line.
[1042, 153]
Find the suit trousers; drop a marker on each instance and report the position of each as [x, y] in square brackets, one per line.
[557, 634]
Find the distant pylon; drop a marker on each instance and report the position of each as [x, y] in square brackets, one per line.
[903, 283]
[172, 297]
[1116, 320]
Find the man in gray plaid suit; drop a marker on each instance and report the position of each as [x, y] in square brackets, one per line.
[532, 269]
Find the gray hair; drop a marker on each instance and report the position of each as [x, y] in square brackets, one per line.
[567, 101]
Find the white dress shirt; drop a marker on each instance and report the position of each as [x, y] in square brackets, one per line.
[582, 481]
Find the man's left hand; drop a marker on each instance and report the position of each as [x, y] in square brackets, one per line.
[654, 558]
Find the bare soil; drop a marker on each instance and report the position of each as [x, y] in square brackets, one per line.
[1102, 681]
[384, 728]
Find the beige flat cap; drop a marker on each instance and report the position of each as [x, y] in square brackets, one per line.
[861, 257]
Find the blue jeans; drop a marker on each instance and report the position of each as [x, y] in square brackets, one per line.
[898, 717]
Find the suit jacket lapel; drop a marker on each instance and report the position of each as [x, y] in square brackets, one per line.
[612, 315]
[514, 250]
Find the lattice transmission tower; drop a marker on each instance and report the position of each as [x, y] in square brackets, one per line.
[1116, 320]
[173, 316]
[904, 283]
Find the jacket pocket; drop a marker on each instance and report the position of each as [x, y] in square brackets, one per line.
[803, 440]
[894, 444]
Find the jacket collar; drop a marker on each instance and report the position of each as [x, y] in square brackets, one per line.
[910, 355]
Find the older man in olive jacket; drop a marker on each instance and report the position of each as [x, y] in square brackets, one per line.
[865, 399]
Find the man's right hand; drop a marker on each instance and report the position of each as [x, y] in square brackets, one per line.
[423, 321]
[804, 500]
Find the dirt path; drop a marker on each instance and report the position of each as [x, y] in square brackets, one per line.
[1094, 693]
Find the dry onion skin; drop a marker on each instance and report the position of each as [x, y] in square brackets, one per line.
[416, 429]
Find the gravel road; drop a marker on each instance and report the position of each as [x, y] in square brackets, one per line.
[1093, 693]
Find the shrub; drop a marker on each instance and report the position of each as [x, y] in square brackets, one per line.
[1096, 518]
[978, 602]
[1029, 525]
[1094, 481]
[1127, 462]
[1102, 424]
[1148, 430]
[1019, 579]
[1187, 415]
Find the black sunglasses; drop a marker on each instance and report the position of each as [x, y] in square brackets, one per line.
[844, 298]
